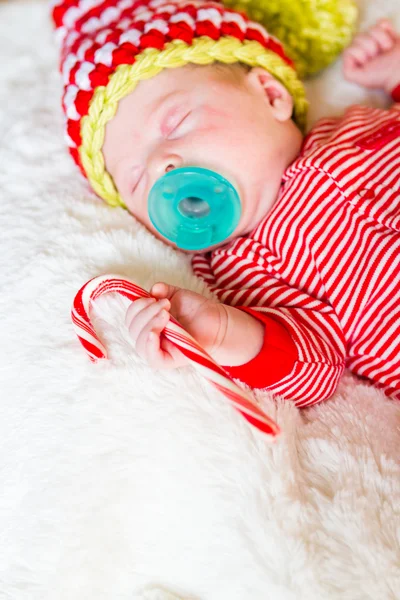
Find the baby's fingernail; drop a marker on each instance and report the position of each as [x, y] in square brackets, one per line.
[165, 303]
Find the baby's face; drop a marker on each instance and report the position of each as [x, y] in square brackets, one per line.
[231, 121]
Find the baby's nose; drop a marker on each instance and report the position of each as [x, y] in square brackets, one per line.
[164, 163]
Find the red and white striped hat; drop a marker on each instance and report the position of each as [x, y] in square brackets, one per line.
[107, 46]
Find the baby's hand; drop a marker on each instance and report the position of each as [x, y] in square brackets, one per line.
[373, 58]
[204, 319]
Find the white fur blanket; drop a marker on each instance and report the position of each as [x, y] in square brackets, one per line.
[118, 483]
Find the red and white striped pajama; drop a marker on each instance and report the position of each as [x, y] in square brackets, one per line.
[322, 270]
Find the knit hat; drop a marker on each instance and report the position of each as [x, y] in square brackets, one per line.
[108, 46]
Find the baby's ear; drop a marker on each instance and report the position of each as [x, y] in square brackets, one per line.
[274, 92]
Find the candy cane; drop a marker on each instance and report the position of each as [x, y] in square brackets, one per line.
[173, 332]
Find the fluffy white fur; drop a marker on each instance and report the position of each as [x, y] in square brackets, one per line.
[118, 483]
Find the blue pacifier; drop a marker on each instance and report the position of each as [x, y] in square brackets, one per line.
[194, 207]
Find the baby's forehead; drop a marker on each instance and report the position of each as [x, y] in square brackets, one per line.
[185, 77]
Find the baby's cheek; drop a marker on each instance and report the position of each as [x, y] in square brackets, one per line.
[145, 221]
[138, 215]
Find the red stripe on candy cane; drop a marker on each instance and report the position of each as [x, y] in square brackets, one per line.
[242, 400]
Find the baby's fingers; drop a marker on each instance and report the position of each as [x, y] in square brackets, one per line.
[160, 354]
[136, 307]
[384, 35]
[388, 26]
[145, 339]
[363, 48]
[141, 312]
[367, 46]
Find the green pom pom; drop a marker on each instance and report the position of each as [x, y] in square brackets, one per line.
[313, 32]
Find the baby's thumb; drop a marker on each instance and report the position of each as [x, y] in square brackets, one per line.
[163, 290]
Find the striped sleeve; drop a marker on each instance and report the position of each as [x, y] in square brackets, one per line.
[239, 278]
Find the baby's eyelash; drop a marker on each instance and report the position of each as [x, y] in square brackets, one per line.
[173, 119]
[136, 181]
[178, 125]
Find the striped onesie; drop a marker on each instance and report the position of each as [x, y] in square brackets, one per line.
[322, 270]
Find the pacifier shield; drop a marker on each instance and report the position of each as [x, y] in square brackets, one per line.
[194, 207]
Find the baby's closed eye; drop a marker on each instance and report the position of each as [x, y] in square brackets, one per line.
[136, 176]
[176, 123]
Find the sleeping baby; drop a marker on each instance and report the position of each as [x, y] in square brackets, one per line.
[297, 236]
